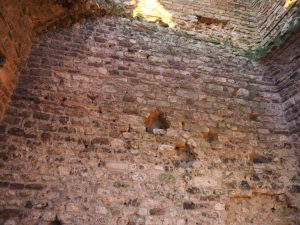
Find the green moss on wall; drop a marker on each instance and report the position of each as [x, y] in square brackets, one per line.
[262, 51]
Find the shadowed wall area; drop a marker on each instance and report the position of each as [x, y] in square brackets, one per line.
[118, 120]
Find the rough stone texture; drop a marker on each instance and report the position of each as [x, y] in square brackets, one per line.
[74, 141]
[20, 20]
[233, 23]
[257, 209]
[273, 18]
[284, 69]
[213, 19]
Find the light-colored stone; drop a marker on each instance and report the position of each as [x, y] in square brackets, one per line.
[159, 131]
[220, 206]
[204, 182]
[117, 166]
[166, 148]
[242, 92]
[101, 210]
[191, 143]
[10, 222]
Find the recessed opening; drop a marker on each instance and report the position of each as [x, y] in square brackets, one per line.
[210, 137]
[253, 117]
[210, 21]
[67, 4]
[56, 221]
[2, 59]
[184, 148]
[156, 120]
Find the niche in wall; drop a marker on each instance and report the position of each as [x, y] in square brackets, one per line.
[2, 59]
[156, 120]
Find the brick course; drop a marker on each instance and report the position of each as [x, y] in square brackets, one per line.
[120, 121]
[74, 140]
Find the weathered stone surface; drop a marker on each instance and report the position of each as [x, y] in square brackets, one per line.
[275, 19]
[124, 122]
[258, 204]
[205, 182]
[22, 20]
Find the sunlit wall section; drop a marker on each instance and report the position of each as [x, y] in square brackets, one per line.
[152, 11]
[289, 3]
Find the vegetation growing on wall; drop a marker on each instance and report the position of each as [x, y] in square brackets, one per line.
[262, 51]
[253, 52]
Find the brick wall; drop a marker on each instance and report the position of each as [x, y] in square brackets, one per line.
[283, 69]
[233, 23]
[238, 24]
[212, 19]
[124, 122]
[273, 18]
[283, 65]
[19, 22]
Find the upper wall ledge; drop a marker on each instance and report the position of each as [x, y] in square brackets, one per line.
[253, 30]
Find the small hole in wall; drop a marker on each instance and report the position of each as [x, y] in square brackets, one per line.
[2, 59]
[156, 120]
[273, 209]
[187, 154]
[210, 137]
[253, 117]
[67, 4]
[210, 21]
[56, 221]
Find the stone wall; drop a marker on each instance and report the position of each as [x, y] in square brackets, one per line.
[234, 20]
[126, 122]
[212, 19]
[284, 69]
[19, 22]
[232, 23]
[273, 18]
